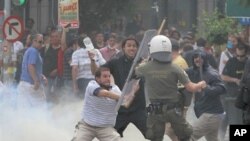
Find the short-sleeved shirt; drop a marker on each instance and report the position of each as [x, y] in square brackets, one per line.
[234, 68]
[31, 57]
[81, 59]
[180, 61]
[99, 111]
[50, 60]
[161, 79]
[225, 55]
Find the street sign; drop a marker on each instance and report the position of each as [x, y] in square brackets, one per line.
[244, 21]
[13, 28]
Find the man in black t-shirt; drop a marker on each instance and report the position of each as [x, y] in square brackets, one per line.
[232, 74]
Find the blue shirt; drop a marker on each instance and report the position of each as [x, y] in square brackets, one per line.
[31, 56]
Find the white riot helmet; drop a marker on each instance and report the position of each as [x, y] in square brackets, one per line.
[160, 48]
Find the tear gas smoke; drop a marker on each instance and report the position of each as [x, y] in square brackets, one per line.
[56, 123]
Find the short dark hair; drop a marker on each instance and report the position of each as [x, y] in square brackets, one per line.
[201, 42]
[100, 70]
[127, 39]
[243, 45]
[80, 41]
[175, 44]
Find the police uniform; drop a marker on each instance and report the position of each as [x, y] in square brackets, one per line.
[161, 78]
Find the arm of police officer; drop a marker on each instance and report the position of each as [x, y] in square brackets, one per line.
[188, 84]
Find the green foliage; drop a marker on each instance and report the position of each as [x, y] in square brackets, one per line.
[217, 27]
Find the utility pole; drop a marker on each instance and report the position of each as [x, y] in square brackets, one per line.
[7, 7]
[155, 18]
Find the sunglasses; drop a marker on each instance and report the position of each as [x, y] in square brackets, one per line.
[40, 42]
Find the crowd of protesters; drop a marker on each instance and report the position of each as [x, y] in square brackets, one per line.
[62, 67]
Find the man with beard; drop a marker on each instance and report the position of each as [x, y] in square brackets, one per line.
[119, 68]
[98, 116]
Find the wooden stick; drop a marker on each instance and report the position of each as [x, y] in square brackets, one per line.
[161, 27]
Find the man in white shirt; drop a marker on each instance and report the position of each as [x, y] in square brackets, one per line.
[99, 115]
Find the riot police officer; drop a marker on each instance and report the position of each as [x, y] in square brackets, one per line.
[161, 78]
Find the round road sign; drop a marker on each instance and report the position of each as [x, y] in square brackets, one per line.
[13, 28]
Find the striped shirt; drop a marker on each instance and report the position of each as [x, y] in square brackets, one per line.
[81, 59]
[99, 111]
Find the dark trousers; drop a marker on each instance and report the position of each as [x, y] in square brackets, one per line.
[138, 118]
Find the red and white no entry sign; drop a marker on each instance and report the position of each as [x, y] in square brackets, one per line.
[13, 28]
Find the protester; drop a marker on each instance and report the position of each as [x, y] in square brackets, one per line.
[99, 115]
[110, 50]
[207, 105]
[119, 68]
[232, 74]
[32, 81]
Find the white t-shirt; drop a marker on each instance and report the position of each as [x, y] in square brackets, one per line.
[99, 111]
[81, 59]
[223, 59]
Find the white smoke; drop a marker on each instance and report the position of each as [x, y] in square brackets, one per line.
[56, 123]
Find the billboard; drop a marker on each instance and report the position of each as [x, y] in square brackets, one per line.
[68, 12]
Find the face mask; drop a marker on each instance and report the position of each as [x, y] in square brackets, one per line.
[229, 44]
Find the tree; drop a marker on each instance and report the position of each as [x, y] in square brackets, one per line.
[217, 27]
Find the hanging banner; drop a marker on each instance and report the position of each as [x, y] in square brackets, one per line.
[68, 12]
